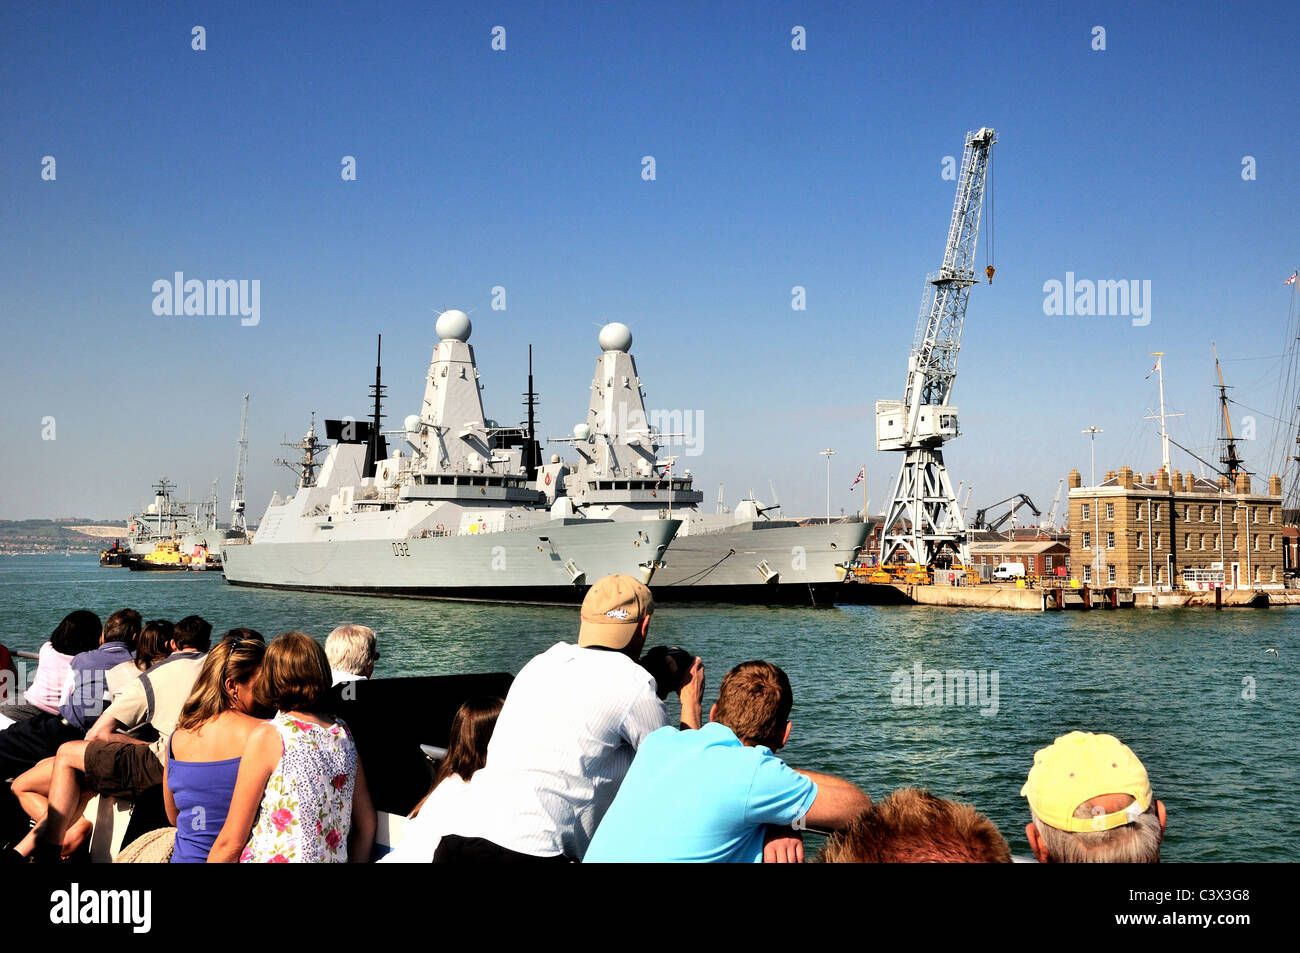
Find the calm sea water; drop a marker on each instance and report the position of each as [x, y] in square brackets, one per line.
[1173, 685]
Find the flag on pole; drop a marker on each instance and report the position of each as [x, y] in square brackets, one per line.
[1291, 280]
[1153, 370]
[668, 469]
[858, 479]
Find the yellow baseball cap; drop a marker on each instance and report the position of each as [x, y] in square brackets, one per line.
[1078, 767]
[612, 609]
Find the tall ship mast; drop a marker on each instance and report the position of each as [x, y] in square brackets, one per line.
[451, 516]
[1228, 455]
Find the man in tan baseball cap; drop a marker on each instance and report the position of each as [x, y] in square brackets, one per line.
[571, 724]
[616, 615]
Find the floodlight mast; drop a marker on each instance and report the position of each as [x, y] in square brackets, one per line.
[923, 518]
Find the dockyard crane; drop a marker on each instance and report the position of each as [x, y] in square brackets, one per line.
[237, 522]
[923, 518]
[1049, 524]
[1017, 501]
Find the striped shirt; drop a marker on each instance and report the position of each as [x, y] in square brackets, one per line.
[562, 745]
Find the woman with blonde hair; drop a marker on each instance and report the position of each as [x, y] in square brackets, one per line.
[204, 752]
[301, 794]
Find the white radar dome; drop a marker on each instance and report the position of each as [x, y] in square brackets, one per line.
[581, 432]
[615, 336]
[453, 325]
[412, 423]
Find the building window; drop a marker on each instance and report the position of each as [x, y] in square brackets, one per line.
[1187, 540]
[1155, 511]
[1110, 511]
[1216, 540]
[1272, 544]
[1139, 540]
[1139, 575]
[1087, 574]
[1087, 540]
[1204, 539]
[1215, 515]
[1187, 513]
[1086, 510]
[1257, 514]
[1156, 544]
[1110, 540]
[1137, 510]
[1047, 564]
[1256, 542]
[1234, 542]
[1271, 510]
[1160, 574]
[1110, 573]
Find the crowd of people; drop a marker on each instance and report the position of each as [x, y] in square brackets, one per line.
[577, 763]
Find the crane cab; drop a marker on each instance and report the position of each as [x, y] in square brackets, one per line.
[935, 423]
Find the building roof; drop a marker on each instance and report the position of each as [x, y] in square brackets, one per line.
[1031, 548]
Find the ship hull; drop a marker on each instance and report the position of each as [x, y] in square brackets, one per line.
[143, 565]
[760, 562]
[549, 563]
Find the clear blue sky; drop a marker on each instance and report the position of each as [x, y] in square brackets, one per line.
[522, 168]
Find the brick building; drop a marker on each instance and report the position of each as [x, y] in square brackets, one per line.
[1179, 532]
[1041, 557]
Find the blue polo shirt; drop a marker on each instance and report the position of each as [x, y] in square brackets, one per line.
[89, 671]
[699, 796]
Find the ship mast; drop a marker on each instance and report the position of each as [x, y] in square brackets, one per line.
[1164, 429]
[533, 451]
[377, 391]
[309, 446]
[1231, 460]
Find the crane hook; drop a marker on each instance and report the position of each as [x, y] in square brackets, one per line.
[989, 271]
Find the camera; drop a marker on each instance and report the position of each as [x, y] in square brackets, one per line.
[669, 666]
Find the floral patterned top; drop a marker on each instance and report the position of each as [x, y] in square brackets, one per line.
[306, 812]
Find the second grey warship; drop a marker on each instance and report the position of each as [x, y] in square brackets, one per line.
[743, 556]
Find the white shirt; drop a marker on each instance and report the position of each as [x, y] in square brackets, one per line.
[562, 745]
[421, 834]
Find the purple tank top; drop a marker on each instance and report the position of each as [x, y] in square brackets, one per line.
[202, 792]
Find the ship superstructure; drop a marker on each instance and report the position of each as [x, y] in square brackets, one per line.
[454, 516]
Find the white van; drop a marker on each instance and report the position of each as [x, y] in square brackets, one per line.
[1009, 571]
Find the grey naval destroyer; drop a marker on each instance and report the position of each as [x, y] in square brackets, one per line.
[455, 517]
[742, 556]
